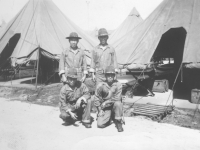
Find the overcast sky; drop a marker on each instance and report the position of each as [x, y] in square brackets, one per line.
[88, 14]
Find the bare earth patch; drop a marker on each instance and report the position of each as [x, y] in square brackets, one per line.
[50, 96]
[26, 126]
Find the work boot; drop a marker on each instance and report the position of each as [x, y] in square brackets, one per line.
[118, 124]
[68, 122]
[87, 125]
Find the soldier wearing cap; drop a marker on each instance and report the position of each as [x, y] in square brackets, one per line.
[75, 103]
[107, 99]
[73, 57]
[102, 56]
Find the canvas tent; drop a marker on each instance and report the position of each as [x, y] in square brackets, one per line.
[170, 17]
[93, 33]
[2, 24]
[131, 21]
[40, 25]
[170, 31]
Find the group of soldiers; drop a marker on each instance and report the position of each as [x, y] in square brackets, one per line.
[76, 101]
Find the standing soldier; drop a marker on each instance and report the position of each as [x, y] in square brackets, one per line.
[73, 57]
[107, 99]
[103, 55]
[75, 103]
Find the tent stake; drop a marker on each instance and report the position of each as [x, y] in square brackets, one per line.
[37, 68]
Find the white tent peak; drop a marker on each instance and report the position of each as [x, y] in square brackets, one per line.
[134, 12]
[131, 21]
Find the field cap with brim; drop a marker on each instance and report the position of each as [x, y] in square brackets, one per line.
[72, 72]
[102, 32]
[73, 35]
[110, 69]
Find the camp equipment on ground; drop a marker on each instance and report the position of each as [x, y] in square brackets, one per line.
[195, 96]
[160, 86]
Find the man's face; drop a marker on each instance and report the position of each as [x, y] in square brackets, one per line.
[73, 42]
[72, 81]
[103, 40]
[110, 77]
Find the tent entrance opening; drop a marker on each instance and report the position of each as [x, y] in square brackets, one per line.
[8, 50]
[171, 47]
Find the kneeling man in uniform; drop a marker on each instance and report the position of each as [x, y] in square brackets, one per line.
[75, 102]
[108, 100]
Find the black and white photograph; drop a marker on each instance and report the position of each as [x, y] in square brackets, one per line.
[99, 74]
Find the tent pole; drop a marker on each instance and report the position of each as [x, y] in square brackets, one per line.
[38, 60]
[181, 72]
[11, 81]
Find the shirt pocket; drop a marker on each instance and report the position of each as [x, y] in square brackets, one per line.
[111, 58]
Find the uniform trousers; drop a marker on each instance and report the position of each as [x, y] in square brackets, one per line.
[83, 114]
[114, 111]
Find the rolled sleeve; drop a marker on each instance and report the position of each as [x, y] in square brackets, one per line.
[85, 72]
[61, 72]
[117, 70]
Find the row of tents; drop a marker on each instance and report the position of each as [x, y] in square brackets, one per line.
[171, 31]
[40, 24]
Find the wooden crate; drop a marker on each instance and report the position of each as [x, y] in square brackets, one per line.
[195, 96]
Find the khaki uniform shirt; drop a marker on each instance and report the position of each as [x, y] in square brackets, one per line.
[115, 88]
[69, 59]
[68, 97]
[101, 58]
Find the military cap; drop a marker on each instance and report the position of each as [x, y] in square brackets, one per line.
[102, 32]
[110, 69]
[73, 35]
[72, 72]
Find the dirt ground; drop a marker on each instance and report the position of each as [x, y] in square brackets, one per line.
[50, 96]
[43, 96]
[27, 126]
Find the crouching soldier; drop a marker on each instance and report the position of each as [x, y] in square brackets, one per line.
[108, 101]
[75, 103]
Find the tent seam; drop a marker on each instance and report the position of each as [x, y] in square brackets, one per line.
[29, 26]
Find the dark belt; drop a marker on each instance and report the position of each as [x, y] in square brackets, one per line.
[79, 70]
